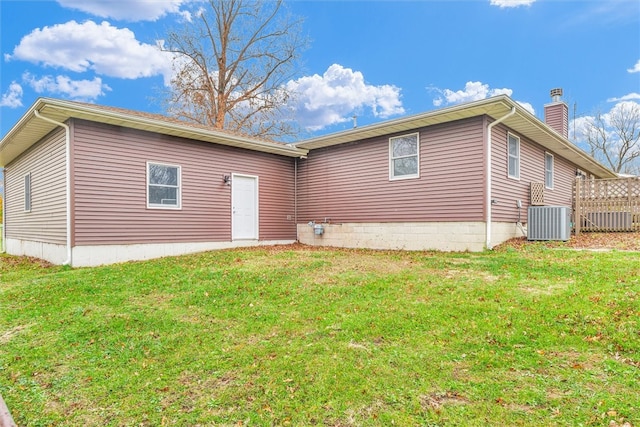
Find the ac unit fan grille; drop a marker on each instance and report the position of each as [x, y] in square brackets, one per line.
[548, 223]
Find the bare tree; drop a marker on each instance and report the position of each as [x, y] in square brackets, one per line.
[231, 65]
[614, 137]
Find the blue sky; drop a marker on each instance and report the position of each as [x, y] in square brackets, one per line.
[377, 60]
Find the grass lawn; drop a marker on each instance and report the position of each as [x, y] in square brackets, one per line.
[300, 336]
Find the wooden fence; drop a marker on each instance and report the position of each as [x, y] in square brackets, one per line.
[607, 204]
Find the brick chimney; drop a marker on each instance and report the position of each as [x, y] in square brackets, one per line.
[556, 114]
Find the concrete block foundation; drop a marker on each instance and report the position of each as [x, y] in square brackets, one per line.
[441, 236]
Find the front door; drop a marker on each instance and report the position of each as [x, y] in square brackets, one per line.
[244, 207]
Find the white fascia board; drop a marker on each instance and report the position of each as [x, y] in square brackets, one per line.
[175, 129]
[494, 107]
[61, 110]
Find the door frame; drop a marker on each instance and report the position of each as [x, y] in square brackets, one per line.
[257, 206]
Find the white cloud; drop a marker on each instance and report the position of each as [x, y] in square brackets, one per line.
[580, 124]
[104, 49]
[12, 98]
[627, 97]
[621, 108]
[635, 68]
[527, 106]
[511, 3]
[337, 95]
[80, 90]
[473, 91]
[609, 126]
[131, 10]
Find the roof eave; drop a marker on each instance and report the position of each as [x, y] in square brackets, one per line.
[61, 111]
[557, 143]
[494, 107]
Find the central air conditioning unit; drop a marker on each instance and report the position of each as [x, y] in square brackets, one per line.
[549, 223]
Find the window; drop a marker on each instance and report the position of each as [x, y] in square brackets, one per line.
[27, 192]
[548, 170]
[403, 157]
[514, 157]
[163, 186]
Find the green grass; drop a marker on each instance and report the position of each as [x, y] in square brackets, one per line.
[300, 336]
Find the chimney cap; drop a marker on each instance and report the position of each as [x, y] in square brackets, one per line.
[556, 94]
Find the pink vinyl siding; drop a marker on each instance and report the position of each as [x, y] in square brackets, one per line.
[556, 115]
[532, 169]
[564, 175]
[350, 182]
[46, 222]
[110, 202]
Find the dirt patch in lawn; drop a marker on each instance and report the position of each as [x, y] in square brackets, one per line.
[7, 335]
[586, 241]
[436, 401]
[336, 260]
[8, 262]
[624, 241]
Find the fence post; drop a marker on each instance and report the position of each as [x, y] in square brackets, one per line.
[629, 190]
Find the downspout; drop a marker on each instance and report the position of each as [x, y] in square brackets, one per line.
[68, 178]
[3, 245]
[488, 177]
[295, 192]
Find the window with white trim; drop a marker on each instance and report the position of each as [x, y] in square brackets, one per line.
[27, 192]
[163, 186]
[548, 170]
[514, 156]
[403, 157]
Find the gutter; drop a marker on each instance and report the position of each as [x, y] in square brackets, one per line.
[166, 127]
[488, 176]
[68, 178]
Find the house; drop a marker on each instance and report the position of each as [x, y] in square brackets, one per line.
[458, 178]
[89, 185]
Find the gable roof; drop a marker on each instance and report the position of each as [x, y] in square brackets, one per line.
[30, 129]
[522, 122]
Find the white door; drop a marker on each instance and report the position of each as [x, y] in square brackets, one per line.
[244, 207]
